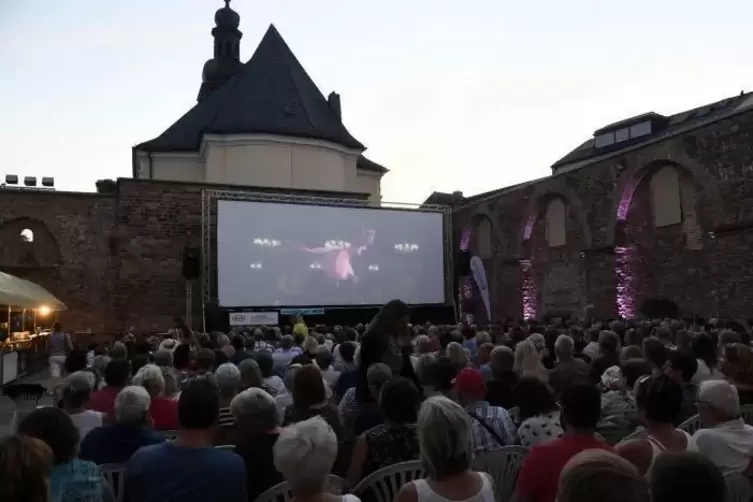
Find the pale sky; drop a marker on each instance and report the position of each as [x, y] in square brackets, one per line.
[449, 95]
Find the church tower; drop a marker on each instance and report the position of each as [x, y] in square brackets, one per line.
[227, 46]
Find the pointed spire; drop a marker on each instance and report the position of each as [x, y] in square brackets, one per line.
[227, 45]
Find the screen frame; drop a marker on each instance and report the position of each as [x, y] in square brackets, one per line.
[209, 238]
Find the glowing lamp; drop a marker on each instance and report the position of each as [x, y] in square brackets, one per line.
[44, 311]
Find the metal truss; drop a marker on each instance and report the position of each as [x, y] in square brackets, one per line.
[209, 198]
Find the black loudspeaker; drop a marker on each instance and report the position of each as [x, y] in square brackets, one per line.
[191, 263]
[463, 265]
[217, 318]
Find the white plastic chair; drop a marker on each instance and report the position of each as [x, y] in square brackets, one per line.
[739, 488]
[746, 412]
[282, 492]
[385, 483]
[115, 477]
[691, 425]
[503, 464]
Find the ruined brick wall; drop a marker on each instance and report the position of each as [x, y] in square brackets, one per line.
[69, 254]
[615, 259]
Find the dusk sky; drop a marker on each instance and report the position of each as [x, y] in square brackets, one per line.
[448, 95]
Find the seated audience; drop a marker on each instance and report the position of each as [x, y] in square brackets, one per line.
[368, 414]
[539, 413]
[229, 383]
[310, 399]
[457, 355]
[609, 348]
[206, 361]
[527, 361]
[285, 397]
[656, 353]
[728, 442]
[705, 351]
[567, 368]
[659, 403]
[190, 468]
[343, 363]
[482, 358]
[491, 426]
[71, 479]
[25, 468]
[601, 476]
[116, 377]
[272, 383]
[163, 410]
[76, 392]
[591, 351]
[500, 390]
[250, 374]
[686, 477]
[115, 443]
[324, 360]
[619, 414]
[444, 438]
[255, 433]
[439, 378]
[283, 356]
[305, 453]
[681, 367]
[581, 407]
[395, 440]
[349, 371]
[240, 354]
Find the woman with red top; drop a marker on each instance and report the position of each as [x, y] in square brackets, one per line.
[117, 372]
[163, 410]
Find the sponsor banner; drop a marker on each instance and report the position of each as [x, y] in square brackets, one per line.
[254, 318]
[302, 311]
[479, 275]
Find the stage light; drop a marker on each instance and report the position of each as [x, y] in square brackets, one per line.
[44, 311]
[255, 266]
[267, 242]
[406, 247]
[374, 268]
[315, 266]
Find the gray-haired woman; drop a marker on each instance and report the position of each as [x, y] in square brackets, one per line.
[444, 436]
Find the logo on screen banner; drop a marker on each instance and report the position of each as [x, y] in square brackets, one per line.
[254, 318]
[302, 311]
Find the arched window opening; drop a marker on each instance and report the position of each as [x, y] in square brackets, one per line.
[484, 238]
[666, 205]
[555, 223]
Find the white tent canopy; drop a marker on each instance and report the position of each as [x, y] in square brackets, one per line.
[17, 292]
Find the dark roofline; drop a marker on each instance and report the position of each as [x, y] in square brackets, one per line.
[369, 165]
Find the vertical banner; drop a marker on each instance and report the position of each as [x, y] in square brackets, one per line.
[479, 275]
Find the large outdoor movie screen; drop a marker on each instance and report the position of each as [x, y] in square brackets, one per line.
[295, 255]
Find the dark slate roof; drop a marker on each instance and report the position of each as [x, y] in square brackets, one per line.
[674, 124]
[369, 165]
[270, 94]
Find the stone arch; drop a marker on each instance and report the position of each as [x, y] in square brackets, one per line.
[17, 251]
[470, 231]
[539, 199]
[637, 172]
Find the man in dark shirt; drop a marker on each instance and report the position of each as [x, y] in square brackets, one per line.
[500, 390]
[568, 369]
[609, 346]
[240, 350]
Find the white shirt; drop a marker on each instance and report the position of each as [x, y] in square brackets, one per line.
[86, 421]
[703, 373]
[275, 384]
[729, 445]
[331, 377]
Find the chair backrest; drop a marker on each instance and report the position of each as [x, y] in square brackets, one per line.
[739, 488]
[691, 425]
[230, 447]
[385, 483]
[115, 477]
[504, 465]
[746, 412]
[282, 492]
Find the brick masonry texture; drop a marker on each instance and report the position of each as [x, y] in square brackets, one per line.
[115, 259]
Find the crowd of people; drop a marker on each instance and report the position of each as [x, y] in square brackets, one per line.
[226, 416]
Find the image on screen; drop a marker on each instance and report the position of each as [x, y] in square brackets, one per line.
[295, 255]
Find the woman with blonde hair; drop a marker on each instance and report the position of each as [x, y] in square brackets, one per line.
[25, 467]
[527, 361]
[601, 476]
[458, 355]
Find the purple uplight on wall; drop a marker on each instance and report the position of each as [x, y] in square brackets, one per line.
[625, 200]
[528, 290]
[465, 238]
[624, 275]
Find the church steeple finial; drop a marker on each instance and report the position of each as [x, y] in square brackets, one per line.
[227, 43]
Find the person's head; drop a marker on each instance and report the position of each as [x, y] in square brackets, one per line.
[501, 360]
[729, 337]
[199, 405]
[632, 370]
[483, 337]
[399, 401]
[310, 346]
[75, 361]
[119, 351]
[250, 373]
[424, 345]
[581, 407]
[704, 349]
[229, 381]
[564, 348]
[601, 476]
[150, 377]
[686, 477]
[424, 365]
[681, 366]
[737, 363]
[484, 353]
[182, 356]
[632, 338]
[440, 375]
[376, 376]
[255, 412]
[324, 358]
[55, 428]
[77, 390]
[132, 406]
[526, 358]
[266, 364]
[304, 454]
[287, 342]
[609, 342]
[718, 401]
[308, 387]
[25, 467]
[205, 359]
[348, 352]
[659, 399]
[117, 372]
[470, 386]
[655, 352]
[444, 437]
[391, 320]
[630, 352]
[163, 358]
[57, 327]
[533, 397]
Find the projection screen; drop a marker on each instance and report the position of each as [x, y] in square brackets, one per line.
[295, 255]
